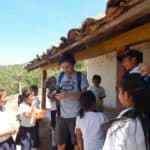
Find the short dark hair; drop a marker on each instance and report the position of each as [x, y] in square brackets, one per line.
[67, 57]
[34, 88]
[97, 77]
[132, 53]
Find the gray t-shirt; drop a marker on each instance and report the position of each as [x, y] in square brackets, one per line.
[70, 107]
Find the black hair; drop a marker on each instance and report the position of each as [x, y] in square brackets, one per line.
[67, 57]
[87, 100]
[34, 88]
[132, 53]
[98, 77]
[135, 85]
[25, 94]
[139, 90]
[20, 99]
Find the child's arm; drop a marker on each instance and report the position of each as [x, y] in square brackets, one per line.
[102, 93]
[102, 97]
[30, 112]
[79, 139]
[9, 131]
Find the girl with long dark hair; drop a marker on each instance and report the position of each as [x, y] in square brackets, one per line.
[131, 129]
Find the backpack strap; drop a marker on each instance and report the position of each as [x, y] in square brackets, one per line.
[60, 78]
[79, 79]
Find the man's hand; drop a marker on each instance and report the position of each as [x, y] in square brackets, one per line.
[67, 95]
[61, 95]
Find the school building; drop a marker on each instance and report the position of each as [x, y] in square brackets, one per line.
[99, 41]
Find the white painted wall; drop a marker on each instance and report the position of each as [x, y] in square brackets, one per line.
[105, 66]
[146, 54]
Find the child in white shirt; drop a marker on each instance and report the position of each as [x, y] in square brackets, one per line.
[27, 136]
[7, 125]
[89, 124]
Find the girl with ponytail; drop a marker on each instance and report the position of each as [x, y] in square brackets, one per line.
[89, 124]
[27, 135]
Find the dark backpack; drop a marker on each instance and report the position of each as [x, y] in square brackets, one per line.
[79, 79]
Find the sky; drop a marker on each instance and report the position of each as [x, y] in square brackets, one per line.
[29, 27]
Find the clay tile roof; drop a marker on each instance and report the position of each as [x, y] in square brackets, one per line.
[97, 27]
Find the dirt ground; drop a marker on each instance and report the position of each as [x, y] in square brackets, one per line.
[44, 133]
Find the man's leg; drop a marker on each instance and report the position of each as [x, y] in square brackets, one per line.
[71, 127]
[62, 133]
[61, 147]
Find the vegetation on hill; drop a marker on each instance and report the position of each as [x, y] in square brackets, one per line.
[13, 76]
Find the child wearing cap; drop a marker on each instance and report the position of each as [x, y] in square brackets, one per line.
[130, 60]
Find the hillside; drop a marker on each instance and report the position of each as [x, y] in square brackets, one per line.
[14, 75]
